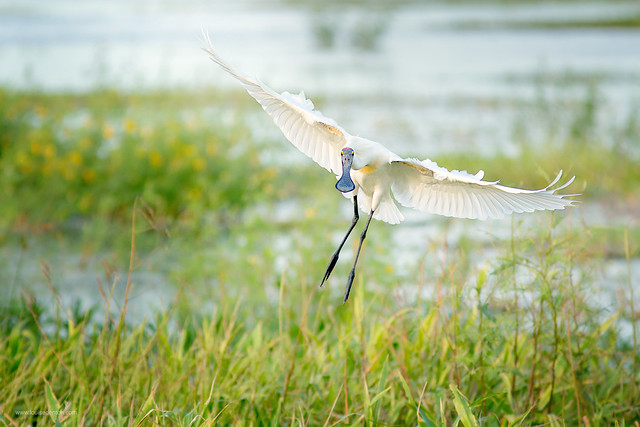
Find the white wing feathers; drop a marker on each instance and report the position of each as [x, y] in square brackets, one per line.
[317, 136]
[422, 185]
[425, 186]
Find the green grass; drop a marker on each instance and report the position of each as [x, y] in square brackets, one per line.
[518, 341]
[249, 338]
[74, 148]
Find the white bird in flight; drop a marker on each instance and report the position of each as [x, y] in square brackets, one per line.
[373, 176]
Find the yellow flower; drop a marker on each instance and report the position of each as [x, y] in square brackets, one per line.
[155, 159]
[35, 147]
[194, 194]
[129, 125]
[199, 164]
[270, 173]
[49, 151]
[189, 150]
[108, 132]
[88, 175]
[75, 158]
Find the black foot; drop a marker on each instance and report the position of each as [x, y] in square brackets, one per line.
[352, 275]
[332, 264]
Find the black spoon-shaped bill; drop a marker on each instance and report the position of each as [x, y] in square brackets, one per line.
[345, 184]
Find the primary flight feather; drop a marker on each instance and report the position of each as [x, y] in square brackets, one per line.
[374, 176]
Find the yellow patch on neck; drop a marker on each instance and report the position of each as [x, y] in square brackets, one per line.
[366, 169]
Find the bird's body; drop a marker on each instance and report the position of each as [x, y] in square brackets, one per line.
[373, 176]
[372, 173]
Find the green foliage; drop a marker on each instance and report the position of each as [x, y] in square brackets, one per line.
[517, 342]
[67, 155]
[249, 338]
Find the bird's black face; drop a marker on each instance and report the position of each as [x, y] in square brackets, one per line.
[345, 184]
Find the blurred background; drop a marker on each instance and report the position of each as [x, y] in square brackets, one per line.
[428, 73]
[140, 182]
[104, 102]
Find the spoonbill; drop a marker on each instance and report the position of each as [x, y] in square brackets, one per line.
[373, 176]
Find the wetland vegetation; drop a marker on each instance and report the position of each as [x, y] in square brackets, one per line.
[161, 244]
[520, 338]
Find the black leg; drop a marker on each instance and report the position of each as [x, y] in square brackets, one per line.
[336, 254]
[352, 275]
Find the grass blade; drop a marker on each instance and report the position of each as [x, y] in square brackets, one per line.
[52, 402]
[376, 401]
[462, 408]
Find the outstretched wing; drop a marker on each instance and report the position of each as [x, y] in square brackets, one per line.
[317, 136]
[425, 186]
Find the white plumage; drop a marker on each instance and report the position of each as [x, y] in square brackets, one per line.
[418, 184]
[379, 175]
